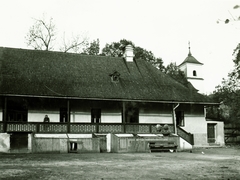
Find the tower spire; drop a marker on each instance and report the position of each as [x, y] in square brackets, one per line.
[189, 53]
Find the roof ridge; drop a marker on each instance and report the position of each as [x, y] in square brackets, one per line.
[57, 52]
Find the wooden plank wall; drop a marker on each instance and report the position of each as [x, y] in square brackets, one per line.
[137, 144]
[232, 133]
[49, 145]
[61, 145]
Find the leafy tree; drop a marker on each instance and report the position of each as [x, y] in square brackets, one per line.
[173, 70]
[148, 56]
[116, 49]
[42, 36]
[229, 92]
[93, 48]
[158, 63]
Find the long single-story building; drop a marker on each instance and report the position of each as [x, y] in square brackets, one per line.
[95, 104]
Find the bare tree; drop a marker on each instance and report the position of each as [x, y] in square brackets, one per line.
[41, 35]
[76, 44]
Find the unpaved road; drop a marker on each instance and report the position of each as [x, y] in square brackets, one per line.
[201, 163]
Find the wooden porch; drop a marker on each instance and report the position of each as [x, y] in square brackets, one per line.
[40, 127]
[86, 128]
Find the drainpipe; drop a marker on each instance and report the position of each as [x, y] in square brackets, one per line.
[174, 118]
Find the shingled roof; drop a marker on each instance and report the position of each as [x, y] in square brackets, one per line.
[191, 59]
[67, 75]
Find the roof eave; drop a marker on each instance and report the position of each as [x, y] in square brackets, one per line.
[114, 99]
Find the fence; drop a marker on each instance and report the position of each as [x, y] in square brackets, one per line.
[232, 134]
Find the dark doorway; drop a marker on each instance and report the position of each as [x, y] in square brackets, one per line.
[180, 118]
[19, 142]
[211, 132]
[132, 115]
[17, 109]
[63, 115]
[96, 115]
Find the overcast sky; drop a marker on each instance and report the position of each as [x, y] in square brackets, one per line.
[164, 27]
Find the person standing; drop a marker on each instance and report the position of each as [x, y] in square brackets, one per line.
[46, 119]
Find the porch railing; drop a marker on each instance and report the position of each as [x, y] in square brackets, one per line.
[185, 135]
[40, 127]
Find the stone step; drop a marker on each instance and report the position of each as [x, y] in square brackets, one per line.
[214, 144]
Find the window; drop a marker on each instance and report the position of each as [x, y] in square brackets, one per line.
[96, 115]
[115, 76]
[194, 73]
[180, 118]
[17, 115]
[132, 115]
[17, 110]
[63, 115]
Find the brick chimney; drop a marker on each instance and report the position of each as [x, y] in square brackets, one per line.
[128, 55]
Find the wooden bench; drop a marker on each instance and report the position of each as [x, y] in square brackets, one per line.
[158, 146]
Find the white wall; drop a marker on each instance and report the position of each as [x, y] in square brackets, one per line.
[81, 117]
[85, 117]
[4, 142]
[38, 116]
[30, 142]
[111, 118]
[196, 125]
[197, 67]
[78, 117]
[184, 145]
[155, 118]
[1, 115]
[188, 70]
[198, 84]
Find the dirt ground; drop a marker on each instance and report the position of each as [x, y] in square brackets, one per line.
[201, 163]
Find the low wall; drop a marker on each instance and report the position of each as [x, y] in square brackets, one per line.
[137, 144]
[65, 145]
[18, 144]
[49, 145]
[4, 142]
[184, 145]
[200, 139]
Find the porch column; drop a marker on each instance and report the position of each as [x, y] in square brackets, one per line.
[124, 116]
[4, 114]
[68, 116]
[123, 112]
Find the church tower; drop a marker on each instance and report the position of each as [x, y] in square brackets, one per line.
[192, 69]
